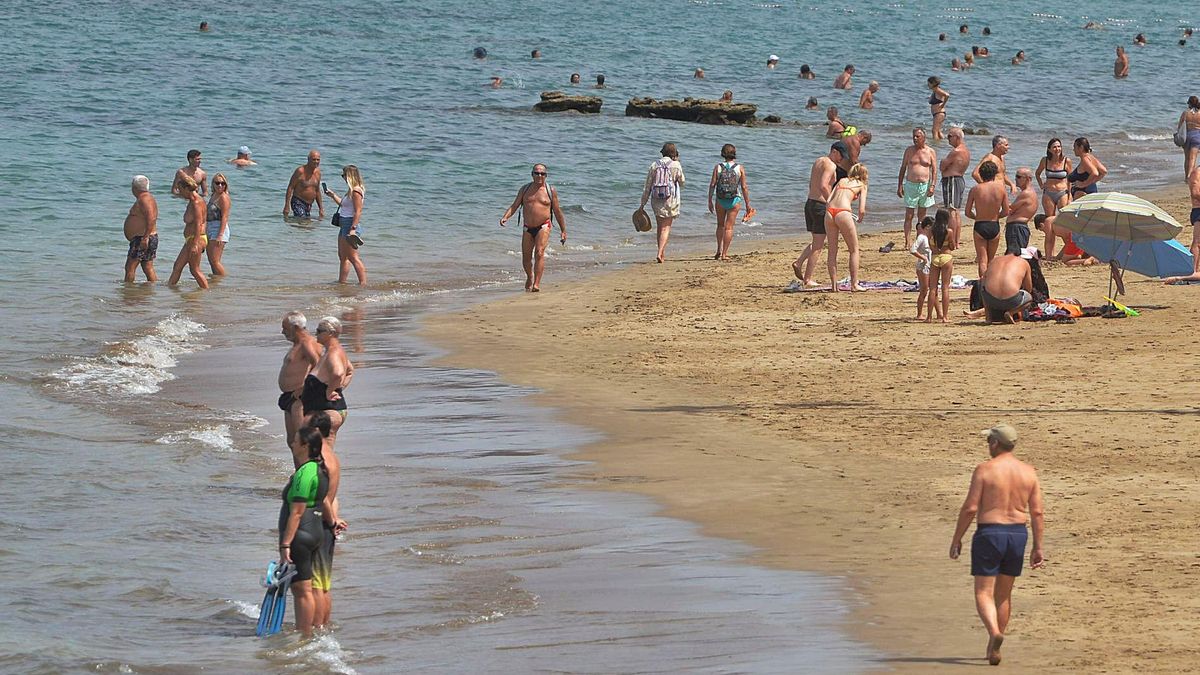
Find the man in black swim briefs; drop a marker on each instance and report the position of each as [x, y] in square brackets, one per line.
[301, 358]
[538, 205]
[987, 203]
[1005, 494]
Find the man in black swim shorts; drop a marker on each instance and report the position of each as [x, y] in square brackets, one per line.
[1005, 493]
[821, 179]
[1006, 288]
[987, 203]
[300, 359]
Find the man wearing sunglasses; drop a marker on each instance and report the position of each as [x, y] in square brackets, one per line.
[538, 203]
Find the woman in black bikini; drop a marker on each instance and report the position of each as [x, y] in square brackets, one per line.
[1088, 173]
[937, 106]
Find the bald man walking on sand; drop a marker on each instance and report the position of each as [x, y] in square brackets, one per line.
[1004, 494]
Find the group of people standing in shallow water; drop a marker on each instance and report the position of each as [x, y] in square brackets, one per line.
[206, 222]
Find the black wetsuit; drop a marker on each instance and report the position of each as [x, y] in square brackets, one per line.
[309, 484]
[315, 397]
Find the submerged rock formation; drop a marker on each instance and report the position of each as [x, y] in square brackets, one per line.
[704, 111]
[556, 101]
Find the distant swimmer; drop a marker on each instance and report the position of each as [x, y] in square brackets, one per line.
[350, 227]
[538, 206]
[1193, 183]
[1121, 64]
[968, 60]
[821, 179]
[987, 30]
[834, 125]
[938, 98]
[243, 158]
[1093, 25]
[1056, 167]
[141, 230]
[987, 203]
[304, 187]
[664, 183]
[1004, 495]
[1190, 120]
[1022, 210]
[203, 26]
[574, 78]
[1088, 172]
[496, 82]
[843, 80]
[955, 64]
[301, 358]
[806, 73]
[698, 74]
[727, 96]
[1140, 40]
[599, 82]
[941, 37]
[964, 30]
[195, 239]
[1019, 58]
[812, 103]
[324, 386]
[193, 171]
[996, 156]
[479, 53]
[772, 61]
[867, 100]
[535, 54]
[726, 192]
[980, 52]
[301, 532]
[840, 222]
[954, 188]
[916, 181]
[217, 223]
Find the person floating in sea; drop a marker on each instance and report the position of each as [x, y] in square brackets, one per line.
[574, 78]
[535, 54]
[987, 203]
[195, 238]
[728, 186]
[867, 100]
[1004, 494]
[954, 187]
[916, 180]
[496, 82]
[839, 221]
[812, 103]
[664, 183]
[1019, 58]
[301, 358]
[699, 74]
[941, 37]
[217, 226]
[243, 158]
[479, 53]
[141, 230]
[987, 30]
[1140, 40]
[304, 187]
[772, 61]
[203, 26]
[821, 178]
[1022, 210]
[1121, 64]
[539, 207]
[599, 82]
[843, 80]
[938, 98]
[727, 96]
[350, 228]
[193, 171]
[964, 30]
[996, 156]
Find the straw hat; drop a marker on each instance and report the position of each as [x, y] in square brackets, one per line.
[641, 220]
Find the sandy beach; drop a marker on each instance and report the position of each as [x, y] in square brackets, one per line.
[836, 435]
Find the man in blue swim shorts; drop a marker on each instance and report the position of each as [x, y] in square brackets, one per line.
[1004, 494]
[918, 173]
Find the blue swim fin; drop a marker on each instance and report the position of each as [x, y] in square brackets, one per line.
[268, 603]
[278, 581]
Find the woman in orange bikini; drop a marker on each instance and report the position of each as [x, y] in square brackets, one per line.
[840, 221]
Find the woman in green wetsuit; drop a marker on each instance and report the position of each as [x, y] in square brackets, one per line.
[301, 532]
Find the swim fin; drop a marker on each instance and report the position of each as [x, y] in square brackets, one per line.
[278, 582]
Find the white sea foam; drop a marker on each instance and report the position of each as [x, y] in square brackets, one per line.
[137, 366]
[1147, 137]
[216, 437]
[246, 609]
[326, 650]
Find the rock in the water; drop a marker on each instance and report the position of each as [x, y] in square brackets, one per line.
[556, 101]
[773, 119]
[700, 110]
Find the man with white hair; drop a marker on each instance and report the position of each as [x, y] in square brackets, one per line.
[332, 373]
[243, 158]
[299, 362]
[141, 229]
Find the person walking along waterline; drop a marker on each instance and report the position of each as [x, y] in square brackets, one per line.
[195, 238]
[141, 230]
[728, 179]
[1004, 494]
[664, 182]
[349, 214]
[537, 203]
[217, 227]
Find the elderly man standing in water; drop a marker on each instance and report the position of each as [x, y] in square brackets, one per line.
[141, 229]
[299, 362]
[304, 188]
[1004, 495]
[538, 203]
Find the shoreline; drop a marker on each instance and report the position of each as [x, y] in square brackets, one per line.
[683, 367]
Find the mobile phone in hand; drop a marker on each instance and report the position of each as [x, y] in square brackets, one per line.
[324, 186]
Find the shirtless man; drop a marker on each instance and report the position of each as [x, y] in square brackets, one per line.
[537, 202]
[854, 144]
[1006, 288]
[298, 363]
[821, 180]
[141, 230]
[1121, 65]
[996, 156]
[842, 81]
[867, 100]
[243, 158]
[834, 126]
[1004, 495]
[304, 188]
[987, 203]
[918, 174]
[954, 188]
[323, 388]
[193, 171]
[1022, 210]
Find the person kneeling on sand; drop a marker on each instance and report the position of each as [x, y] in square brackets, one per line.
[1005, 493]
[1006, 288]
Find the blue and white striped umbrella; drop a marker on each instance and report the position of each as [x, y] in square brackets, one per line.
[1116, 215]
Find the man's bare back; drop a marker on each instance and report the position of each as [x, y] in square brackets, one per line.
[821, 179]
[1006, 275]
[1025, 206]
[1007, 486]
[987, 201]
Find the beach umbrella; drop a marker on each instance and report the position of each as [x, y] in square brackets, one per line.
[1116, 215]
[1152, 258]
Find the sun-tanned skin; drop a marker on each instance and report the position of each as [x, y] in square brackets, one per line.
[536, 209]
[305, 185]
[820, 184]
[987, 202]
[299, 361]
[955, 164]
[142, 221]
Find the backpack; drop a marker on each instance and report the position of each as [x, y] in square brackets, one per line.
[728, 180]
[521, 199]
[663, 184]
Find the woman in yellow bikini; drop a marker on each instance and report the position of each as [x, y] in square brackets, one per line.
[195, 239]
[941, 267]
[840, 221]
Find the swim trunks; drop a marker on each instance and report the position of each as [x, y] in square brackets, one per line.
[213, 228]
[1195, 217]
[998, 549]
[814, 216]
[146, 255]
[916, 195]
[1016, 237]
[286, 400]
[314, 396]
[301, 208]
[987, 229]
[953, 188]
[729, 203]
[998, 307]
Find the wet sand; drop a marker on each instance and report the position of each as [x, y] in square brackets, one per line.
[836, 435]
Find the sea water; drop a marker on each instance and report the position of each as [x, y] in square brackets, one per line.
[145, 455]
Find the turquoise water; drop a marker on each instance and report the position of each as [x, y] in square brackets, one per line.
[158, 391]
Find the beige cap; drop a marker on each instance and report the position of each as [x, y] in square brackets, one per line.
[1002, 432]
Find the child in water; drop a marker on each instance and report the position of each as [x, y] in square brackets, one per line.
[924, 255]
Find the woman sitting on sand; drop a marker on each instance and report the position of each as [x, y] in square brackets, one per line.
[728, 180]
[840, 221]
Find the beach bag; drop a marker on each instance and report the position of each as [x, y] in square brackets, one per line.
[663, 185]
[1180, 136]
[337, 217]
[728, 180]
